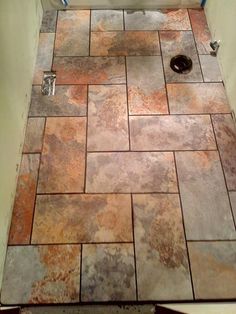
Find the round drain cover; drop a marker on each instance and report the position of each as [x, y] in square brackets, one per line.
[181, 64]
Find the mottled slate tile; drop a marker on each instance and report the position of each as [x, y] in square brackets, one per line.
[179, 43]
[72, 36]
[130, 172]
[23, 209]
[63, 157]
[130, 43]
[106, 20]
[200, 30]
[44, 56]
[69, 100]
[213, 269]
[49, 21]
[177, 132]
[225, 131]
[108, 272]
[42, 274]
[146, 85]
[161, 255]
[197, 98]
[90, 70]
[232, 196]
[107, 118]
[210, 68]
[206, 207]
[34, 135]
[82, 218]
[157, 20]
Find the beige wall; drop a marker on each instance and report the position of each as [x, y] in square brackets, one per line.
[19, 28]
[221, 17]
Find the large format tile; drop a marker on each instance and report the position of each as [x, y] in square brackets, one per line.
[44, 56]
[225, 131]
[63, 158]
[107, 118]
[130, 172]
[82, 218]
[161, 255]
[34, 135]
[49, 21]
[42, 274]
[233, 203]
[23, 209]
[72, 37]
[177, 132]
[210, 68]
[146, 85]
[213, 269]
[179, 43]
[200, 30]
[108, 272]
[157, 20]
[67, 101]
[106, 20]
[206, 207]
[90, 70]
[124, 43]
[197, 98]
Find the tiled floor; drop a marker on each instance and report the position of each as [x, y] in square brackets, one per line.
[127, 186]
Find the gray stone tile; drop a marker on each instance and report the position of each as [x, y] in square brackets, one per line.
[206, 207]
[210, 68]
[232, 196]
[49, 21]
[107, 20]
[34, 135]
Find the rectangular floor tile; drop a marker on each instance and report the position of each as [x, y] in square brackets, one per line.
[106, 20]
[200, 30]
[69, 100]
[107, 118]
[130, 172]
[42, 274]
[72, 37]
[146, 85]
[129, 43]
[210, 68]
[63, 158]
[90, 70]
[225, 131]
[178, 132]
[49, 22]
[161, 255]
[213, 269]
[157, 20]
[44, 56]
[233, 203]
[206, 207]
[34, 135]
[82, 218]
[23, 209]
[197, 98]
[180, 43]
[108, 272]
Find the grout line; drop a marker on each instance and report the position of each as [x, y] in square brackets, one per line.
[86, 142]
[152, 151]
[124, 28]
[185, 236]
[90, 31]
[135, 261]
[214, 240]
[127, 102]
[70, 243]
[80, 279]
[54, 44]
[101, 193]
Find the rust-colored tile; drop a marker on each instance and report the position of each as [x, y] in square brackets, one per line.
[177, 132]
[225, 131]
[42, 274]
[44, 56]
[21, 223]
[146, 85]
[175, 19]
[200, 30]
[63, 157]
[130, 172]
[34, 135]
[69, 100]
[106, 20]
[72, 36]
[197, 98]
[124, 43]
[90, 70]
[160, 248]
[107, 118]
[82, 218]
